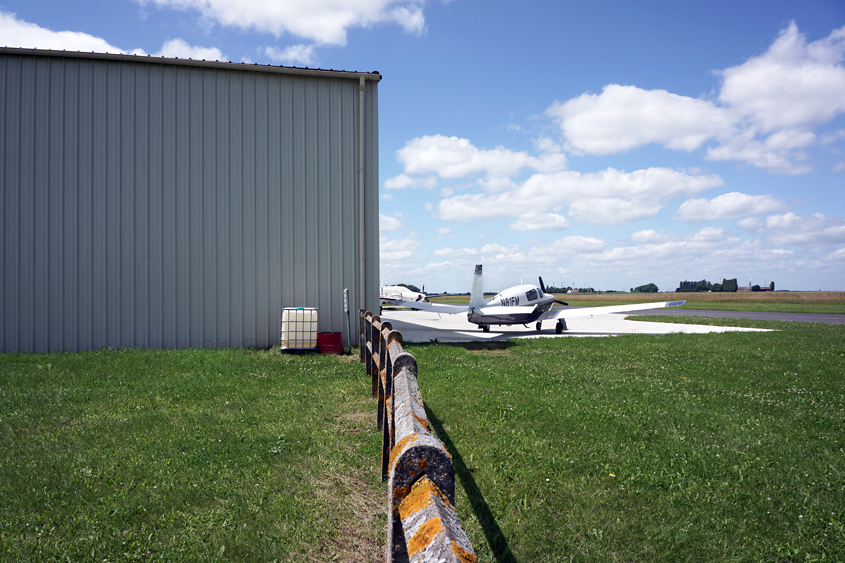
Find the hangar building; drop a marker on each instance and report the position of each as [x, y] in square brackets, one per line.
[167, 203]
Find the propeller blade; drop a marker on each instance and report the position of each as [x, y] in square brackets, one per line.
[561, 303]
[542, 286]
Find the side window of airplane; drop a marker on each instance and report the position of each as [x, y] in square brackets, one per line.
[532, 294]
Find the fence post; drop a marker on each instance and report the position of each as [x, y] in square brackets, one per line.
[422, 525]
[362, 341]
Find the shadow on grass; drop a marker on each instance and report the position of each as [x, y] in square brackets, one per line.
[498, 544]
[474, 346]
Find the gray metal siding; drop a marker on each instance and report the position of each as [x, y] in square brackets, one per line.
[147, 204]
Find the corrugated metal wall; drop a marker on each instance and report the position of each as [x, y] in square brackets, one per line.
[147, 204]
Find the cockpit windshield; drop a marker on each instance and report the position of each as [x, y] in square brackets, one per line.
[532, 294]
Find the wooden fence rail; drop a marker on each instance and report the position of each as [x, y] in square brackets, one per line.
[422, 525]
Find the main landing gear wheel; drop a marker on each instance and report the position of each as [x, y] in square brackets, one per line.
[539, 326]
[485, 328]
[559, 327]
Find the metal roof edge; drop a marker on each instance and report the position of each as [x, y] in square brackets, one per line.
[316, 72]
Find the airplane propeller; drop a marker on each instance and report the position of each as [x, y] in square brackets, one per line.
[543, 289]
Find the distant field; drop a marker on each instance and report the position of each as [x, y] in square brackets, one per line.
[783, 302]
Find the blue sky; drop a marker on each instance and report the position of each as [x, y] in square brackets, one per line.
[601, 144]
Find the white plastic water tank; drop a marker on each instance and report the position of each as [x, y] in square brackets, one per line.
[299, 328]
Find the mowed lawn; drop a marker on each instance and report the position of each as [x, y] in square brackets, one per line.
[194, 455]
[722, 447]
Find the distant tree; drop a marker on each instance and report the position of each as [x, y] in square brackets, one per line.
[717, 287]
[632, 290]
[772, 286]
[410, 286]
[755, 287]
[693, 286]
[647, 288]
[730, 285]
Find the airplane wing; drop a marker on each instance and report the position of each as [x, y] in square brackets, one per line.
[591, 311]
[434, 307]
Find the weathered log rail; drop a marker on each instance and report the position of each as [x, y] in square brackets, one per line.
[422, 525]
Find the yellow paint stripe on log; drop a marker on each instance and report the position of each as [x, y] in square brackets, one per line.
[462, 554]
[425, 535]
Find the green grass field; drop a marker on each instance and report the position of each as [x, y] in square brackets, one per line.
[196, 455]
[720, 447]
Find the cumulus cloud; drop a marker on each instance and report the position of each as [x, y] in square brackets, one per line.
[766, 111]
[630, 195]
[650, 236]
[386, 224]
[750, 224]
[456, 252]
[18, 33]
[730, 206]
[403, 181]
[794, 85]
[453, 157]
[625, 117]
[178, 48]
[445, 233]
[578, 245]
[540, 222]
[392, 251]
[292, 55]
[320, 21]
[793, 229]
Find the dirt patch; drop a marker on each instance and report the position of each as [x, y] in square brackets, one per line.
[360, 530]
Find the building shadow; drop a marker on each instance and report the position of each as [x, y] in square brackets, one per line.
[495, 538]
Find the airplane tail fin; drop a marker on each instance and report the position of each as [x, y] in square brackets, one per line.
[476, 298]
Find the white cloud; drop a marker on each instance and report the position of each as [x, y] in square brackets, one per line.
[630, 195]
[709, 234]
[386, 224]
[767, 109]
[292, 55]
[625, 117]
[794, 85]
[18, 33]
[750, 224]
[178, 48]
[452, 157]
[540, 222]
[837, 256]
[613, 210]
[456, 252]
[650, 236]
[730, 206]
[320, 21]
[393, 251]
[792, 229]
[578, 245]
[445, 233]
[403, 181]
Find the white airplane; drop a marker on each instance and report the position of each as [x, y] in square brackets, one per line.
[521, 304]
[391, 293]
